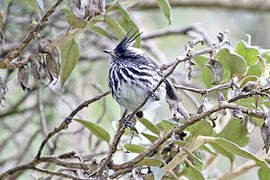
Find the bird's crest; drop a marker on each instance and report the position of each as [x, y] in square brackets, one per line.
[127, 41]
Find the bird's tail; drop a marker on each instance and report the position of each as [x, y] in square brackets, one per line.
[175, 103]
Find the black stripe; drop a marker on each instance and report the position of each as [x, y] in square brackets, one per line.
[127, 74]
[138, 72]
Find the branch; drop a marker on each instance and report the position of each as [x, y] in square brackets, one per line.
[198, 117]
[227, 4]
[67, 121]
[29, 37]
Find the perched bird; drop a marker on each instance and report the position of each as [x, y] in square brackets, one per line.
[133, 75]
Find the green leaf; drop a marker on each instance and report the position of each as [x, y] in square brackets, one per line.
[158, 172]
[151, 138]
[255, 70]
[264, 173]
[97, 130]
[101, 31]
[127, 23]
[236, 132]
[166, 8]
[250, 53]
[205, 148]
[247, 79]
[150, 162]
[207, 77]
[237, 150]
[75, 21]
[203, 128]
[220, 150]
[114, 27]
[180, 143]
[231, 61]
[69, 59]
[134, 148]
[200, 60]
[66, 11]
[192, 173]
[149, 126]
[166, 125]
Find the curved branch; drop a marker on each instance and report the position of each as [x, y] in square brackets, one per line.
[227, 4]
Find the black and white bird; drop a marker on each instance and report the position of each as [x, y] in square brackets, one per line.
[134, 74]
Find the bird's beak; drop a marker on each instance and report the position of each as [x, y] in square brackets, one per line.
[110, 53]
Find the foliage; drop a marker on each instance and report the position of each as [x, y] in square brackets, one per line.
[242, 69]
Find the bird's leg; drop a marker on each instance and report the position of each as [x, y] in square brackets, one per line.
[130, 123]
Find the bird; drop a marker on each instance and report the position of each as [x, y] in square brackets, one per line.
[133, 74]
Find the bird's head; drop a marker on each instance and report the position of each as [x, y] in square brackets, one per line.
[123, 50]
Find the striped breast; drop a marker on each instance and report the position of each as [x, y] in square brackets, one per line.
[130, 85]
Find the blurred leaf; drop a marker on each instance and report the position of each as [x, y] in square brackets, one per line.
[150, 162]
[192, 173]
[217, 70]
[150, 126]
[127, 23]
[40, 4]
[32, 4]
[203, 128]
[134, 148]
[66, 11]
[166, 8]
[250, 53]
[101, 31]
[220, 150]
[97, 130]
[234, 131]
[158, 172]
[264, 173]
[231, 61]
[151, 138]
[75, 21]
[267, 57]
[113, 25]
[237, 150]
[69, 59]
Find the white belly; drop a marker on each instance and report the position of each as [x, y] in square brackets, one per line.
[133, 96]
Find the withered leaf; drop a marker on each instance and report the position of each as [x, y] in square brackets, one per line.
[265, 132]
[249, 86]
[216, 69]
[101, 6]
[238, 114]
[220, 99]
[53, 66]
[23, 77]
[250, 125]
[3, 92]
[36, 68]
[48, 74]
